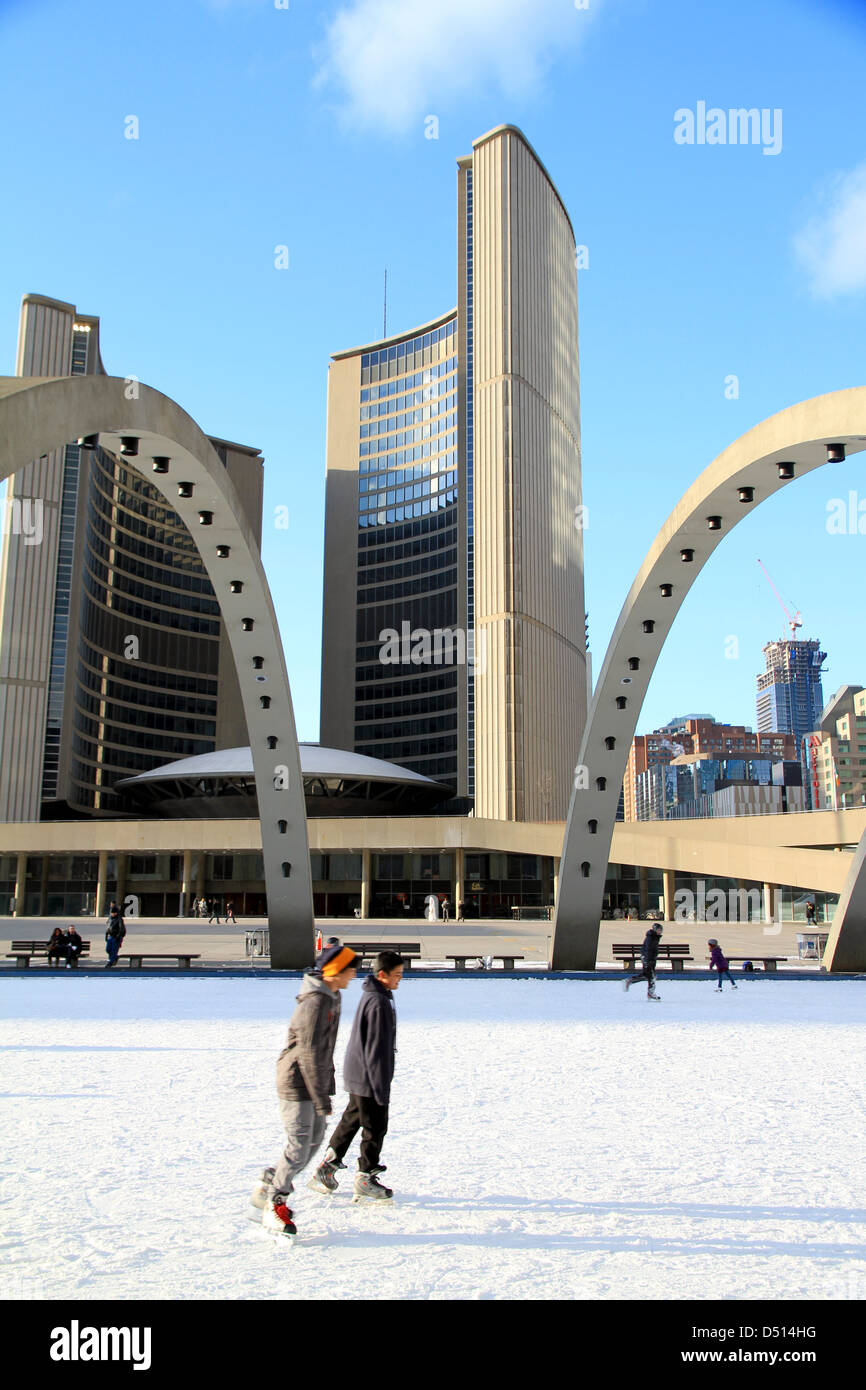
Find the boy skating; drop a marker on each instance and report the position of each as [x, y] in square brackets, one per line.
[368, 1070]
[305, 1081]
[649, 953]
[718, 962]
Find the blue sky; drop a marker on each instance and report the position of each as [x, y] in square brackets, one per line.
[304, 126]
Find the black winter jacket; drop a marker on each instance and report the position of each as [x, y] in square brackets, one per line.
[649, 951]
[368, 1068]
[115, 926]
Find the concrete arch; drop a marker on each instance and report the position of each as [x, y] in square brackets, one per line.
[38, 415]
[740, 479]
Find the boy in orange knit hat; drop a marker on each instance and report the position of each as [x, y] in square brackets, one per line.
[305, 1081]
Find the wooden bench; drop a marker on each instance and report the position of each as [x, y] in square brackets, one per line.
[770, 963]
[136, 957]
[677, 954]
[531, 914]
[22, 952]
[368, 950]
[507, 961]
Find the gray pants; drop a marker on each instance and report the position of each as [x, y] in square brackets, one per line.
[305, 1131]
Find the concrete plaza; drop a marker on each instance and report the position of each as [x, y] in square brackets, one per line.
[225, 945]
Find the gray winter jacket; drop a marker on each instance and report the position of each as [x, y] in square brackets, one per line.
[305, 1067]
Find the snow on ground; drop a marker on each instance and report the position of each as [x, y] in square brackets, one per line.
[549, 1139]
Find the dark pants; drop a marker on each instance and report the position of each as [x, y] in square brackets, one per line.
[648, 973]
[362, 1113]
[725, 975]
[112, 946]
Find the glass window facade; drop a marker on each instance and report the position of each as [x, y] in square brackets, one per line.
[148, 642]
[405, 707]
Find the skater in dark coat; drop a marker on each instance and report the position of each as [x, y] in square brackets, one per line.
[368, 1069]
[649, 953]
[718, 962]
[115, 932]
[305, 1081]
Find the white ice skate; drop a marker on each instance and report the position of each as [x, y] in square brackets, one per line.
[323, 1180]
[653, 995]
[277, 1219]
[369, 1189]
[259, 1194]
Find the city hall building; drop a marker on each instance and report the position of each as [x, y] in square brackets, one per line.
[453, 617]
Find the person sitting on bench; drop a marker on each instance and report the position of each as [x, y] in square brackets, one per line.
[57, 946]
[73, 948]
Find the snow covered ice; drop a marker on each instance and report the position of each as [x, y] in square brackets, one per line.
[549, 1139]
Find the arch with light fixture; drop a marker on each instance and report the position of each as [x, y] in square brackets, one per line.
[157, 438]
[790, 444]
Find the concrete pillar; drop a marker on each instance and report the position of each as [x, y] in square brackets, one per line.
[186, 884]
[556, 864]
[20, 885]
[101, 884]
[199, 874]
[669, 892]
[769, 902]
[43, 886]
[121, 879]
[643, 889]
[459, 879]
[366, 881]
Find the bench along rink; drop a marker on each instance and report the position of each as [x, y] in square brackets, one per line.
[549, 1139]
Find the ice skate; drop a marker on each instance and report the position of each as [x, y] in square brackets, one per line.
[277, 1219]
[259, 1194]
[652, 995]
[323, 1180]
[369, 1189]
[625, 985]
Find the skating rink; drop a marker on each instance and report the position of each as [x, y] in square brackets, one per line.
[549, 1140]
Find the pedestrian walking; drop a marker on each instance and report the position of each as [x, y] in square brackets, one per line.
[718, 962]
[115, 932]
[649, 952]
[230, 914]
[368, 1070]
[305, 1081]
[810, 914]
[213, 908]
[73, 948]
[460, 910]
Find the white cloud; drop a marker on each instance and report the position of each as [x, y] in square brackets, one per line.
[832, 246]
[394, 61]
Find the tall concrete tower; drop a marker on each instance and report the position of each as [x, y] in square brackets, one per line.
[454, 638]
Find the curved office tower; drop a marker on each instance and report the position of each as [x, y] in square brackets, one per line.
[112, 651]
[453, 602]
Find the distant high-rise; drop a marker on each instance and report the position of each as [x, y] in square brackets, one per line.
[81, 705]
[790, 696]
[835, 752]
[453, 488]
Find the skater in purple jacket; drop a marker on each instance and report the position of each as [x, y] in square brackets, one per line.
[718, 962]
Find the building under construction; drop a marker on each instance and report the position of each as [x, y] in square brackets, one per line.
[790, 695]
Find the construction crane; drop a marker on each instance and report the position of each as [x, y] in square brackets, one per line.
[793, 623]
